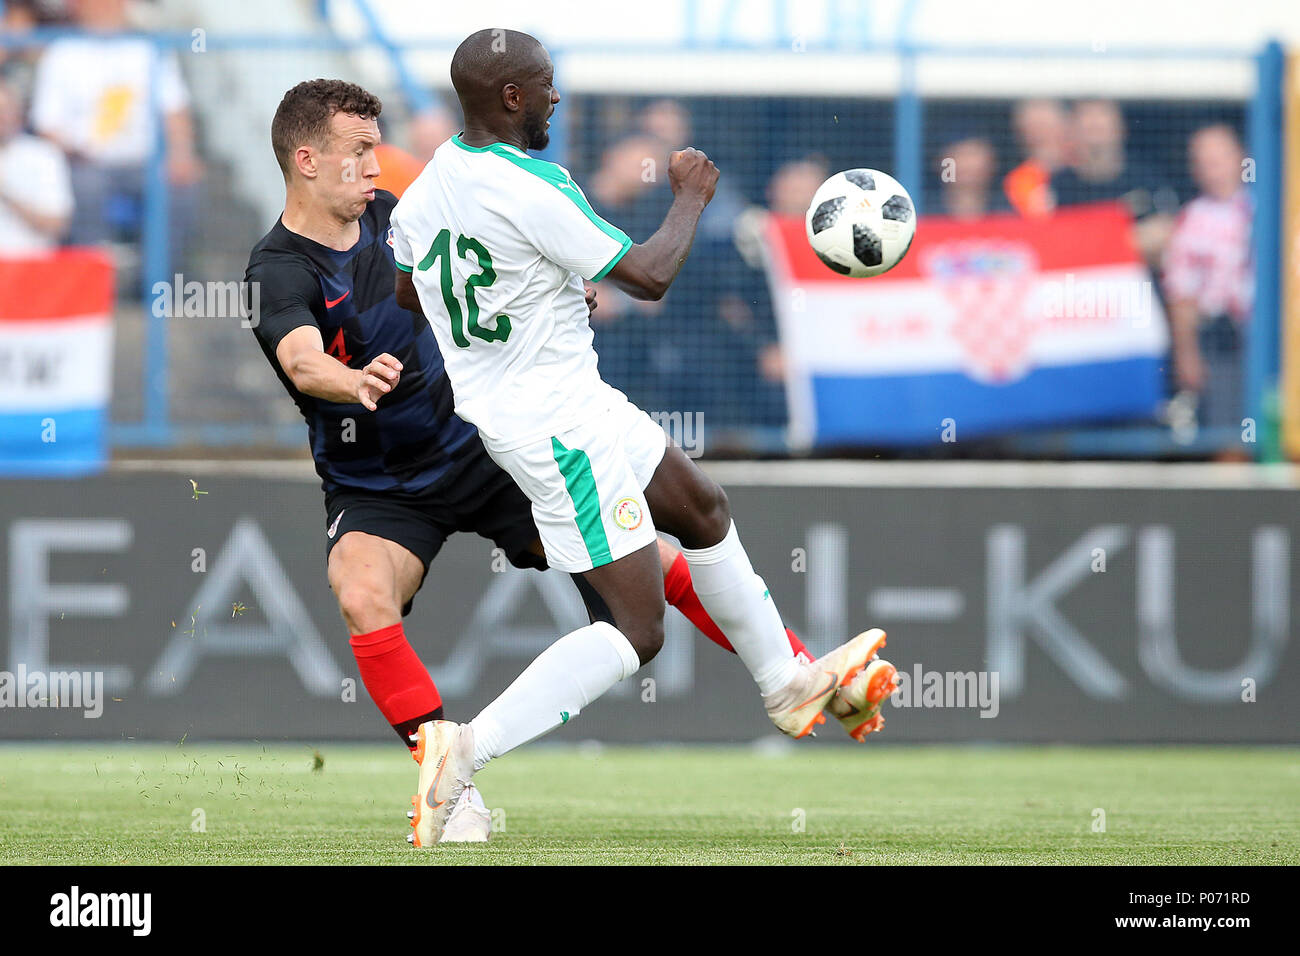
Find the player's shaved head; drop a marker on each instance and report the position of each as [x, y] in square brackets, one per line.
[503, 80]
[488, 60]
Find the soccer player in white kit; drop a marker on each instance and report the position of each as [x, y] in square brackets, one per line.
[492, 246]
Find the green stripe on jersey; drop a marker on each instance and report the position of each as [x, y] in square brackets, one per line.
[561, 180]
[575, 466]
[403, 266]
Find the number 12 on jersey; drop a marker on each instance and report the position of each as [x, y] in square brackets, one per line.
[440, 252]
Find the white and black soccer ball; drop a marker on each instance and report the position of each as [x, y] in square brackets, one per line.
[861, 222]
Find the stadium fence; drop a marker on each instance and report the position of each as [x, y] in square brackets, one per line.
[707, 351]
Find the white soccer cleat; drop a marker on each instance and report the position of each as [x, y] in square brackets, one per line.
[797, 708]
[445, 753]
[470, 820]
[856, 705]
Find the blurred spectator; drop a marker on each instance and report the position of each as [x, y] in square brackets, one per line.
[626, 190]
[93, 98]
[35, 196]
[728, 333]
[1101, 169]
[716, 343]
[789, 194]
[631, 185]
[1208, 278]
[425, 132]
[18, 64]
[429, 130]
[967, 171]
[790, 190]
[1042, 128]
[697, 350]
[668, 123]
[397, 168]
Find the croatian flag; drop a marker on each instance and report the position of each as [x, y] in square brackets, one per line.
[56, 344]
[984, 327]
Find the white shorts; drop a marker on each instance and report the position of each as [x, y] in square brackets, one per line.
[587, 486]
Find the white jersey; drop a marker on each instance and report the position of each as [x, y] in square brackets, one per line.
[497, 244]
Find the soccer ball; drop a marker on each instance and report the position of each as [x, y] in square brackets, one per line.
[861, 222]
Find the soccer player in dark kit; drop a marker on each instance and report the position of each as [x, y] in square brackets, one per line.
[400, 472]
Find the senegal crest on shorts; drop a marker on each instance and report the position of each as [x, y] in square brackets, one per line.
[627, 514]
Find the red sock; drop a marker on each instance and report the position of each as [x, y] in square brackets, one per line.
[797, 645]
[398, 682]
[679, 592]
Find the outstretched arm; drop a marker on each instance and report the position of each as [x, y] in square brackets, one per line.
[302, 355]
[648, 269]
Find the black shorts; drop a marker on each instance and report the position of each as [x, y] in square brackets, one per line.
[482, 498]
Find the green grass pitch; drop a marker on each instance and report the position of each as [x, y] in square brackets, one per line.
[143, 804]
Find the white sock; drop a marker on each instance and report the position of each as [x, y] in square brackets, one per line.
[553, 689]
[738, 601]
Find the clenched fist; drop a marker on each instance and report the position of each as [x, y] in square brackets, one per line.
[691, 172]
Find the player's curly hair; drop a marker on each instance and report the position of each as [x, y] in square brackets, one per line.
[304, 115]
